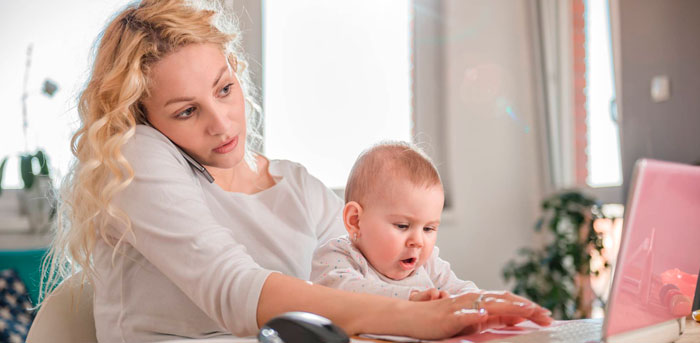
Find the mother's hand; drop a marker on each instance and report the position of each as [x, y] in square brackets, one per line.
[505, 309]
[474, 312]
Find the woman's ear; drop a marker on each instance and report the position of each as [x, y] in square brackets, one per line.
[351, 217]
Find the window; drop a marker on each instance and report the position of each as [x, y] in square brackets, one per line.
[337, 79]
[604, 164]
[61, 34]
[579, 97]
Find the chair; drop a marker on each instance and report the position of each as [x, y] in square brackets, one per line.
[66, 315]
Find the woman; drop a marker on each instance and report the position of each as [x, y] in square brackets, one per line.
[171, 254]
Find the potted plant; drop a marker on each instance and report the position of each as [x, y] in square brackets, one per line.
[557, 275]
[37, 194]
[34, 168]
[35, 198]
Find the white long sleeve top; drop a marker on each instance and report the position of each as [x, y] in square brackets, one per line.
[199, 256]
[339, 264]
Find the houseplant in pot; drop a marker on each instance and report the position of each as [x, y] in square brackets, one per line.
[557, 274]
[35, 198]
[37, 195]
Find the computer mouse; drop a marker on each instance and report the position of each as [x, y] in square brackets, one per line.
[301, 327]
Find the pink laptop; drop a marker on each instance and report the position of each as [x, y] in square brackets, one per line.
[657, 266]
[659, 259]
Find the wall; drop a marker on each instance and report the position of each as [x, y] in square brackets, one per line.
[659, 37]
[492, 135]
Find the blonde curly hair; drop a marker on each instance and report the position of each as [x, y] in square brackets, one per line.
[110, 108]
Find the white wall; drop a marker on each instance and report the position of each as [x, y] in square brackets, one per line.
[493, 151]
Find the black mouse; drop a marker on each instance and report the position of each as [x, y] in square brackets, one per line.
[301, 327]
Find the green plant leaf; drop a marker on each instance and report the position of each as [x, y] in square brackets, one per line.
[43, 163]
[2, 171]
[27, 167]
[26, 170]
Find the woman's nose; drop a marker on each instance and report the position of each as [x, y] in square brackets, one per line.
[219, 121]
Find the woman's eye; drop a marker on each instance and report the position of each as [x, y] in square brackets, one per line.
[227, 89]
[185, 114]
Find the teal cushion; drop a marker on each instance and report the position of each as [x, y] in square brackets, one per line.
[27, 263]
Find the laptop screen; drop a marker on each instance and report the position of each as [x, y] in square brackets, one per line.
[659, 258]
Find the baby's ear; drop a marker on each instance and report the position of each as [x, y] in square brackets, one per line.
[351, 218]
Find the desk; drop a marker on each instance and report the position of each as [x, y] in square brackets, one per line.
[690, 335]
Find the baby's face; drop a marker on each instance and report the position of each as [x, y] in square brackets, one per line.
[398, 227]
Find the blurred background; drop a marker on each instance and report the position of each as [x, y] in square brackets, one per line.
[519, 102]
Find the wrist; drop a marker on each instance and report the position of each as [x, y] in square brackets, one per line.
[399, 316]
[386, 317]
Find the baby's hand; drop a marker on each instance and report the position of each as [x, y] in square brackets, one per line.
[427, 295]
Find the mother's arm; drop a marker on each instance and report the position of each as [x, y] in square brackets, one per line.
[365, 313]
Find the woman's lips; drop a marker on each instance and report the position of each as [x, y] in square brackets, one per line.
[227, 147]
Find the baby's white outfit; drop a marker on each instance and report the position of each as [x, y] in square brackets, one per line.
[339, 264]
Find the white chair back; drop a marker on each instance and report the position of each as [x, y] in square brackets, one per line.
[66, 315]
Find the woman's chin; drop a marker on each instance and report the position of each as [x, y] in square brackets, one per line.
[225, 164]
[227, 161]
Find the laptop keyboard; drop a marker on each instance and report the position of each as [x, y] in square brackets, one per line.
[576, 331]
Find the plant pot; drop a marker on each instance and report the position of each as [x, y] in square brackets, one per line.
[38, 203]
[22, 202]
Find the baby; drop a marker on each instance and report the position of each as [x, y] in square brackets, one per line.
[393, 204]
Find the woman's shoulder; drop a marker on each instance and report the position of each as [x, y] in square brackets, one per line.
[287, 166]
[296, 172]
[306, 184]
[289, 170]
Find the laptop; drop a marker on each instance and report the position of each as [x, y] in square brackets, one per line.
[655, 277]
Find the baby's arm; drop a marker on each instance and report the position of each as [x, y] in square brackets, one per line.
[445, 279]
[336, 264]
